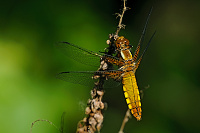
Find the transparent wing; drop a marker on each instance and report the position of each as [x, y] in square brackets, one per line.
[79, 54]
[85, 78]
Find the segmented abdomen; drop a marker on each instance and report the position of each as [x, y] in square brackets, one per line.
[131, 93]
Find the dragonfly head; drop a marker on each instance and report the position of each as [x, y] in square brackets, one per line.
[122, 43]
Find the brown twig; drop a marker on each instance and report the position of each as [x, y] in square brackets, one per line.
[93, 120]
[120, 25]
[126, 118]
[51, 123]
[94, 111]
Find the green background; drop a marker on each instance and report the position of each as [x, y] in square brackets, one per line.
[29, 62]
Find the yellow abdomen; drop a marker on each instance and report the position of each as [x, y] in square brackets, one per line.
[131, 93]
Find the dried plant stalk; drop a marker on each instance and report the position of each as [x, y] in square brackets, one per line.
[93, 121]
[94, 111]
[126, 118]
[51, 123]
[120, 25]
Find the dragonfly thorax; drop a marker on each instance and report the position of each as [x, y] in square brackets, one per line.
[126, 54]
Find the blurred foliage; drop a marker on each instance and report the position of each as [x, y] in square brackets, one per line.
[30, 61]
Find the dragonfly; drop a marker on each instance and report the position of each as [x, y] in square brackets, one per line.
[127, 65]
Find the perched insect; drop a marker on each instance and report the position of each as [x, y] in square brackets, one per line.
[126, 62]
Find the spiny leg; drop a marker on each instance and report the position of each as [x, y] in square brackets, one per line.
[139, 60]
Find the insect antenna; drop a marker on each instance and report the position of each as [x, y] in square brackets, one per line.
[142, 37]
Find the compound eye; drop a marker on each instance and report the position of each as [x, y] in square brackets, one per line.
[126, 41]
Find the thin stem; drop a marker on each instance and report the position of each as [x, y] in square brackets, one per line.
[120, 25]
[51, 123]
[126, 118]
